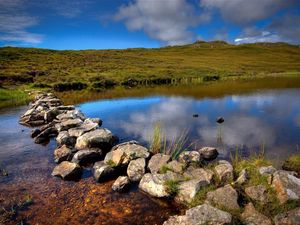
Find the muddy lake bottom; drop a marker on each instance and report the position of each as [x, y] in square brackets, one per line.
[259, 116]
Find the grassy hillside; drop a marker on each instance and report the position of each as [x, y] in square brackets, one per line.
[66, 70]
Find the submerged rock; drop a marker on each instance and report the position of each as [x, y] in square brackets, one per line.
[87, 155]
[67, 171]
[157, 162]
[208, 153]
[286, 185]
[121, 184]
[136, 169]
[103, 172]
[201, 215]
[251, 216]
[226, 197]
[100, 138]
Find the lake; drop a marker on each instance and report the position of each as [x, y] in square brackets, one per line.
[260, 116]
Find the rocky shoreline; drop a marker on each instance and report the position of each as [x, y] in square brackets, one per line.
[230, 196]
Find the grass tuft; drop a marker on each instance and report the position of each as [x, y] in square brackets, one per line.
[172, 187]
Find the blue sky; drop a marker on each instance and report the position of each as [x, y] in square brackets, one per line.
[107, 24]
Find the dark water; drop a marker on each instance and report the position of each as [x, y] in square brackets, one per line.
[262, 118]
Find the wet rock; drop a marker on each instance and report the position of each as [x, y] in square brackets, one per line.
[87, 155]
[267, 170]
[286, 185]
[176, 166]
[45, 135]
[201, 215]
[252, 217]
[100, 138]
[121, 184]
[82, 128]
[258, 193]
[203, 175]
[67, 124]
[189, 157]
[67, 171]
[224, 197]
[51, 114]
[103, 172]
[35, 132]
[63, 153]
[291, 217]
[208, 153]
[157, 162]
[243, 177]
[123, 153]
[153, 184]
[220, 120]
[66, 107]
[224, 171]
[63, 138]
[136, 169]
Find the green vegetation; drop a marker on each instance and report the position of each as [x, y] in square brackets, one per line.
[172, 187]
[201, 195]
[164, 169]
[12, 97]
[159, 143]
[111, 163]
[292, 163]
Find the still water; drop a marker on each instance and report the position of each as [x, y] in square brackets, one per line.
[258, 117]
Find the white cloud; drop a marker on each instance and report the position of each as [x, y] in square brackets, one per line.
[243, 11]
[264, 36]
[14, 23]
[168, 21]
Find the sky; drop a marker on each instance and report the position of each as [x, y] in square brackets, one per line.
[119, 24]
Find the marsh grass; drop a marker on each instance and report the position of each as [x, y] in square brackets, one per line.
[13, 97]
[172, 187]
[160, 144]
[201, 195]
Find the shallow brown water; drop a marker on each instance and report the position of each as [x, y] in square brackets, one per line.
[256, 112]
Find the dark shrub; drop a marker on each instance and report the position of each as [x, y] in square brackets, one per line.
[40, 85]
[23, 78]
[131, 82]
[69, 86]
[104, 83]
[211, 78]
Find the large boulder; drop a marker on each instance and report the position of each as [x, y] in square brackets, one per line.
[187, 157]
[67, 171]
[201, 215]
[63, 153]
[291, 217]
[154, 185]
[157, 162]
[123, 153]
[252, 217]
[63, 138]
[100, 138]
[87, 155]
[176, 166]
[224, 171]
[286, 185]
[103, 172]
[136, 169]
[204, 175]
[208, 153]
[226, 197]
[258, 193]
[51, 114]
[71, 114]
[121, 184]
[83, 128]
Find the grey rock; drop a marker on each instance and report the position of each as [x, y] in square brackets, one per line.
[157, 162]
[82, 128]
[267, 170]
[154, 185]
[45, 135]
[136, 169]
[67, 124]
[204, 175]
[243, 177]
[94, 120]
[201, 215]
[208, 153]
[63, 138]
[100, 138]
[252, 217]
[103, 172]
[87, 155]
[224, 197]
[121, 184]
[51, 114]
[187, 190]
[291, 217]
[224, 171]
[286, 185]
[63, 153]
[258, 193]
[189, 157]
[123, 153]
[176, 166]
[72, 114]
[67, 170]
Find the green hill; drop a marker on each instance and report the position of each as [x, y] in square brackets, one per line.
[106, 68]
